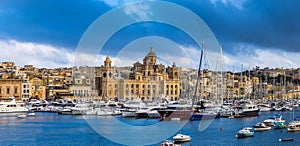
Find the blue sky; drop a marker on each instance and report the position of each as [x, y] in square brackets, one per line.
[252, 32]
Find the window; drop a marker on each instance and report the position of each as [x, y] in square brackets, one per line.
[143, 86]
[7, 90]
[126, 85]
[16, 91]
[0, 90]
[88, 81]
[24, 86]
[127, 92]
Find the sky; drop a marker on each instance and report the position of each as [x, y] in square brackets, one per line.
[48, 33]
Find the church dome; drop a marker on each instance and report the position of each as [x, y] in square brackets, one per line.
[151, 53]
[107, 59]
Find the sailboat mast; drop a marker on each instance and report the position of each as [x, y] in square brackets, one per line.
[233, 92]
[222, 68]
[198, 76]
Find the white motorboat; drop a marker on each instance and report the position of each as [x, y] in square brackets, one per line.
[181, 138]
[129, 113]
[265, 107]
[12, 106]
[167, 143]
[65, 111]
[261, 127]
[295, 122]
[80, 109]
[31, 114]
[22, 116]
[153, 114]
[245, 132]
[104, 112]
[116, 112]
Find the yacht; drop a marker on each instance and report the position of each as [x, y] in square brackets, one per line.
[12, 106]
[245, 132]
[261, 127]
[80, 109]
[181, 138]
[129, 113]
[248, 110]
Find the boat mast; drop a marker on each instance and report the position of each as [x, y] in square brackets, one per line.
[222, 68]
[233, 92]
[198, 76]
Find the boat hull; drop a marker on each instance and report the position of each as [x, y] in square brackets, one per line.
[262, 128]
[240, 135]
[253, 113]
[174, 114]
[205, 116]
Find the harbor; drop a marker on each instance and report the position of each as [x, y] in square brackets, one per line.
[47, 127]
[149, 72]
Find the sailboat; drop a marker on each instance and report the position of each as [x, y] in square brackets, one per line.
[293, 125]
[200, 112]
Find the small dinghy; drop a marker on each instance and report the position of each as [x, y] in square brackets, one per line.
[22, 116]
[31, 114]
[286, 139]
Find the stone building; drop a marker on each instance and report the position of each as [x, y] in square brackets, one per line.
[11, 87]
[147, 81]
[38, 88]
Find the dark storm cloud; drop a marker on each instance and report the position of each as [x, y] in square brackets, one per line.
[262, 23]
[55, 22]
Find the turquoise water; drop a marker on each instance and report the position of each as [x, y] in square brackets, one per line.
[54, 129]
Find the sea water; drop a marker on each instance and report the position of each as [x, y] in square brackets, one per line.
[54, 129]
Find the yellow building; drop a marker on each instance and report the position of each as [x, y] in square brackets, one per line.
[11, 87]
[38, 89]
[148, 81]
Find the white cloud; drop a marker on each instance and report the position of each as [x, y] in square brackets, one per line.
[40, 55]
[115, 3]
[136, 10]
[139, 11]
[237, 3]
[262, 58]
[48, 56]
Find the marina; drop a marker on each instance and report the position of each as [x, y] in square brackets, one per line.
[74, 130]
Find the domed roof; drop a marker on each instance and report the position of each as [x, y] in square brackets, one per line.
[151, 53]
[107, 59]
